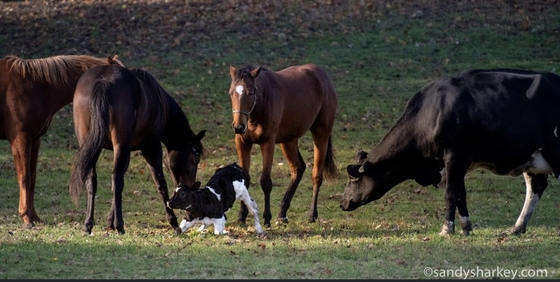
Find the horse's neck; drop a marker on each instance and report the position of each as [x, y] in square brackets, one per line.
[61, 95]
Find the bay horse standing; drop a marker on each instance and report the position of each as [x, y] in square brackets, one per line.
[278, 108]
[127, 110]
[31, 92]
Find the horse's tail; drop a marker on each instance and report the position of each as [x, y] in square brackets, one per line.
[330, 171]
[90, 149]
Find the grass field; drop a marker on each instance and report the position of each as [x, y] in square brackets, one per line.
[377, 53]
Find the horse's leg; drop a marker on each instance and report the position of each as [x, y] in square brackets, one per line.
[244, 148]
[25, 152]
[91, 185]
[267, 151]
[121, 155]
[535, 186]
[320, 149]
[153, 154]
[297, 168]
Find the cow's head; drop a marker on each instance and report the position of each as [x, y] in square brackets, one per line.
[182, 198]
[367, 182]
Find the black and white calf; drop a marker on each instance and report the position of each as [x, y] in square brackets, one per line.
[208, 205]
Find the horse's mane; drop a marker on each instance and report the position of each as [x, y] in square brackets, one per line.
[151, 82]
[245, 72]
[55, 70]
[164, 97]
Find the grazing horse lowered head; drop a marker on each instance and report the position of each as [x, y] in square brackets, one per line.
[279, 108]
[32, 91]
[127, 110]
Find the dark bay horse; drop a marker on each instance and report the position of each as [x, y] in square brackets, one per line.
[278, 108]
[127, 110]
[31, 92]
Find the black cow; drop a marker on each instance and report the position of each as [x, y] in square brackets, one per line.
[207, 206]
[502, 120]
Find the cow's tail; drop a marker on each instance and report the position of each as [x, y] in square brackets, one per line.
[330, 171]
[90, 149]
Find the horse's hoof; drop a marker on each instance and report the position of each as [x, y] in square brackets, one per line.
[447, 229]
[28, 225]
[281, 220]
[178, 231]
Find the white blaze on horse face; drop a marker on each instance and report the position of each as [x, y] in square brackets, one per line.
[239, 89]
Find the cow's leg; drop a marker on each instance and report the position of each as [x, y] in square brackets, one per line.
[244, 148]
[455, 194]
[185, 225]
[91, 186]
[220, 226]
[252, 205]
[297, 168]
[535, 186]
[25, 152]
[153, 155]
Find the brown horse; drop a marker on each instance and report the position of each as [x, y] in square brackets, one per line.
[127, 110]
[280, 107]
[32, 91]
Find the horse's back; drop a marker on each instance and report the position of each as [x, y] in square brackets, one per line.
[309, 97]
[107, 89]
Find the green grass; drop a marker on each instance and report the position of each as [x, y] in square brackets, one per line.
[376, 64]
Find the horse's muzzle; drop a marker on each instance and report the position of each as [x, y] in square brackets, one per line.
[240, 129]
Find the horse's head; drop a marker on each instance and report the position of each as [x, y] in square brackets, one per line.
[183, 159]
[243, 94]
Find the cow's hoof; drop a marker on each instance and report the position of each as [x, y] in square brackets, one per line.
[518, 230]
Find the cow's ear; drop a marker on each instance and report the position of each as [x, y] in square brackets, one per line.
[355, 171]
[360, 157]
[195, 186]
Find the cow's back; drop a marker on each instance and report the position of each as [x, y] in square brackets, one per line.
[500, 116]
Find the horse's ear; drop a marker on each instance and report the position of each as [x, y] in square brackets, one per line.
[200, 135]
[232, 71]
[115, 60]
[255, 72]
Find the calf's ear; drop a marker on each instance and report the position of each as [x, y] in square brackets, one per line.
[195, 186]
